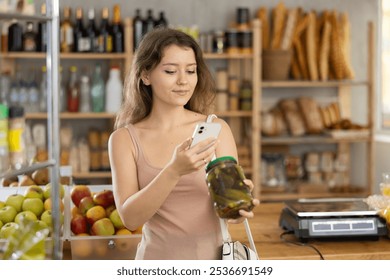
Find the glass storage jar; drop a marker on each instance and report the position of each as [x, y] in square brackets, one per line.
[225, 179]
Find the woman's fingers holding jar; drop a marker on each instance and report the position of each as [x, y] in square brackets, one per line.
[244, 215]
[249, 183]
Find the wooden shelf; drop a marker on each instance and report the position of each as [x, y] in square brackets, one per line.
[288, 140]
[93, 175]
[71, 116]
[311, 84]
[84, 56]
[20, 16]
[227, 56]
[234, 114]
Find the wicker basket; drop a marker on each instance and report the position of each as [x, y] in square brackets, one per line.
[276, 64]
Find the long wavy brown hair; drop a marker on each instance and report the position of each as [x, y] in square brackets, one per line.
[138, 98]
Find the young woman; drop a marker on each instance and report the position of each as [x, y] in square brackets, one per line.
[158, 180]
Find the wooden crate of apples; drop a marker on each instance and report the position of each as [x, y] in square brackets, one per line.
[95, 213]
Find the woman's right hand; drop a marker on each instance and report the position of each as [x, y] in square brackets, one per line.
[186, 160]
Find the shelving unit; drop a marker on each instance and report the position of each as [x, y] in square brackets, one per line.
[343, 88]
[52, 19]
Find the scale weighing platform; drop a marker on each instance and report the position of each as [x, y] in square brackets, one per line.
[331, 218]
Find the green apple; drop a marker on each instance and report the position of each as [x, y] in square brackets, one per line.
[28, 215]
[34, 191]
[15, 200]
[47, 218]
[2, 204]
[47, 191]
[116, 219]
[1, 224]
[8, 229]
[103, 227]
[34, 205]
[7, 214]
[41, 224]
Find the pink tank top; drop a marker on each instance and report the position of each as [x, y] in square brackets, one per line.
[186, 226]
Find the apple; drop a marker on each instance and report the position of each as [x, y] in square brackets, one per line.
[15, 200]
[97, 212]
[34, 191]
[123, 231]
[78, 192]
[28, 215]
[78, 224]
[109, 210]
[2, 204]
[138, 230]
[47, 191]
[34, 205]
[8, 229]
[103, 227]
[47, 217]
[85, 204]
[1, 224]
[116, 220]
[75, 210]
[104, 198]
[7, 214]
[41, 224]
[47, 204]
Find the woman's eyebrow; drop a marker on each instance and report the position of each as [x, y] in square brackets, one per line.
[175, 64]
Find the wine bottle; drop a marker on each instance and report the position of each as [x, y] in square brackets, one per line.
[73, 91]
[66, 32]
[92, 33]
[42, 32]
[81, 43]
[15, 37]
[149, 23]
[137, 28]
[105, 37]
[117, 31]
[162, 21]
[30, 38]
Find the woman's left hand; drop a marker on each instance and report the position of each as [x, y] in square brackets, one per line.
[245, 214]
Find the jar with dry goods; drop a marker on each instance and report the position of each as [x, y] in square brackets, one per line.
[225, 180]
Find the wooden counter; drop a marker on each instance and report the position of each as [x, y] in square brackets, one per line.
[266, 233]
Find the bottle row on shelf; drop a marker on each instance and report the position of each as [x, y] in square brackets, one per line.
[81, 93]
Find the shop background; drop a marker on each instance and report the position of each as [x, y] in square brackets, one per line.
[211, 15]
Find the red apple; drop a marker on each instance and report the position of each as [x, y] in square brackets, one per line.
[97, 212]
[78, 224]
[104, 198]
[109, 210]
[103, 227]
[85, 204]
[78, 192]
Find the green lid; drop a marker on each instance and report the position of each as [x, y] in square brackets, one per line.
[220, 159]
[3, 111]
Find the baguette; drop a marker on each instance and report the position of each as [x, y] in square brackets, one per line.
[262, 14]
[337, 58]
[289, 29]
[295, 71]
[345, 29]
[324, 51]
[301, 58]
[278, 19]
[311, 52]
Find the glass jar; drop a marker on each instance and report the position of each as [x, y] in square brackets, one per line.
[225, 179]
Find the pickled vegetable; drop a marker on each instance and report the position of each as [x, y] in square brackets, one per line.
[225, 179]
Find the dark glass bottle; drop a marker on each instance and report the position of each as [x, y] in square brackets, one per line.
[137, 28]
[149, 23]
[81, 43]
[162, 21]
[42, 32]
[105, 37]
[92, 33]
[30, 38]
[117, 31]
[15, 37]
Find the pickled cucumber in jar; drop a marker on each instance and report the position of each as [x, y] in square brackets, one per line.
[225, 180]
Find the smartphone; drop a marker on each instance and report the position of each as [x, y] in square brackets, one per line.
[205, 130]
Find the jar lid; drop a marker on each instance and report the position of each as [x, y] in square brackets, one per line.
[3, 111]
[16, 112]
[220, 159]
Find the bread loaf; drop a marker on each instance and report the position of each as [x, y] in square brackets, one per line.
[262, 14]
[311, 51]
[289, 30]
[311, 115]
[292, 117]
[324, 51]
[278, 20]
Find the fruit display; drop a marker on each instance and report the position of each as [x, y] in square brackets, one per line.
[93, 213]
[31, 203]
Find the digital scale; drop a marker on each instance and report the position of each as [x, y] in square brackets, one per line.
[331, 218]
